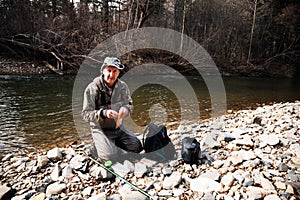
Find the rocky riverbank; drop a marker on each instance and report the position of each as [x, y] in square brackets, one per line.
[9, 66]
[250, 154]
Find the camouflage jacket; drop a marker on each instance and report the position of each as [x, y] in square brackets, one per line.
[98, 97]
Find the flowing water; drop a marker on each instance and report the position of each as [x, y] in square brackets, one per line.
[36, 111]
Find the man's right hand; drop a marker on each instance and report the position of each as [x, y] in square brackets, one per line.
[111, 114]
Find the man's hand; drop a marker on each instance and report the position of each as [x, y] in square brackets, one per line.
[111, 114]
[123, 112]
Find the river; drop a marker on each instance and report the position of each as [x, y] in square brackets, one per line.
[36, 111]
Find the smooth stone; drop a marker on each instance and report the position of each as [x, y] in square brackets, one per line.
[266, 184]
[148, 162]
[295, 148]
[120, 169]
[54, 154]
[67, 172]
[246, 140]
[254, 192]
[280, 185]
[218, 163]
[55, 172]
[272, 197]
[7, 157]
[172, 181]
[55, 188]
[140, 169]
[165, 193]
[101, 196]
[270, 139]
[39, 196]
[127, 194]
[203, 184]
[42, 161]
[227, 180]
[211, 174]
[77, 162]
[129, 165]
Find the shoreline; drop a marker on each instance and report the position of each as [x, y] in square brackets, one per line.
[20, 67]
[248, 154]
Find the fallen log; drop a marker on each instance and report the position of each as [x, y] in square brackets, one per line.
[54, 69]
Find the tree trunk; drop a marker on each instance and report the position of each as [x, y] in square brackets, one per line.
[105, 15]
[252, 30]
[178, 15]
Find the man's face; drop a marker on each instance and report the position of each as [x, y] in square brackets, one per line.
[110, 75]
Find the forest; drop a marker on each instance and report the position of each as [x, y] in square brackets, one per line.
[244, 37]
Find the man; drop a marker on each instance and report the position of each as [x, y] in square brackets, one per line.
[106, 102]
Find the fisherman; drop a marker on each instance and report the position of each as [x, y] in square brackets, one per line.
[106, 102]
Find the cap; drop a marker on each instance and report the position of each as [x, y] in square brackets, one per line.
[112, 61]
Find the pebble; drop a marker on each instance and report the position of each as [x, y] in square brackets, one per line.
[251, 154]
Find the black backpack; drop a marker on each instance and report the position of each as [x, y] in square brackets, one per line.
[157, 143]
[190, 150]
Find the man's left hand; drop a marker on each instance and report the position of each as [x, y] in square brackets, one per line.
[123, 112]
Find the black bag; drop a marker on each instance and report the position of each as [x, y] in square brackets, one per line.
[190, 150]
[157, 143]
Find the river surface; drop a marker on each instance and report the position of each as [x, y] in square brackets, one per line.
[36, 111]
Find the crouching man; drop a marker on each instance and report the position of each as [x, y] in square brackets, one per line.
[106, 102]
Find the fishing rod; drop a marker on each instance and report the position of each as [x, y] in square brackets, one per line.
[118, 176]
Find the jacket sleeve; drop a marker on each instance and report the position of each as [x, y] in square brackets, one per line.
[89, 112]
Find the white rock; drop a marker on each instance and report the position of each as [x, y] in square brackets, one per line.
[203, 184]
[177, 192]
[295, 148]
[227, 197]
[254, 192]
[54, 154]
[236, 157]
[55, 188]
[101, 196]
[266, 184]
[227, 180]
[55, 172]
[280, 185]
[77, 162]
[67, 172]
[39, 196]
[140, 169]
[42, 161]
[246, 140]
[272, 197]
[129, 165]
[270, 139]
[172, 181]
[211, 174]
[218, 163]
[87, 191]
[120, 169]
[127, 194]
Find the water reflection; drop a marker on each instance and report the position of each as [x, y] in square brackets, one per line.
[35, 111]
